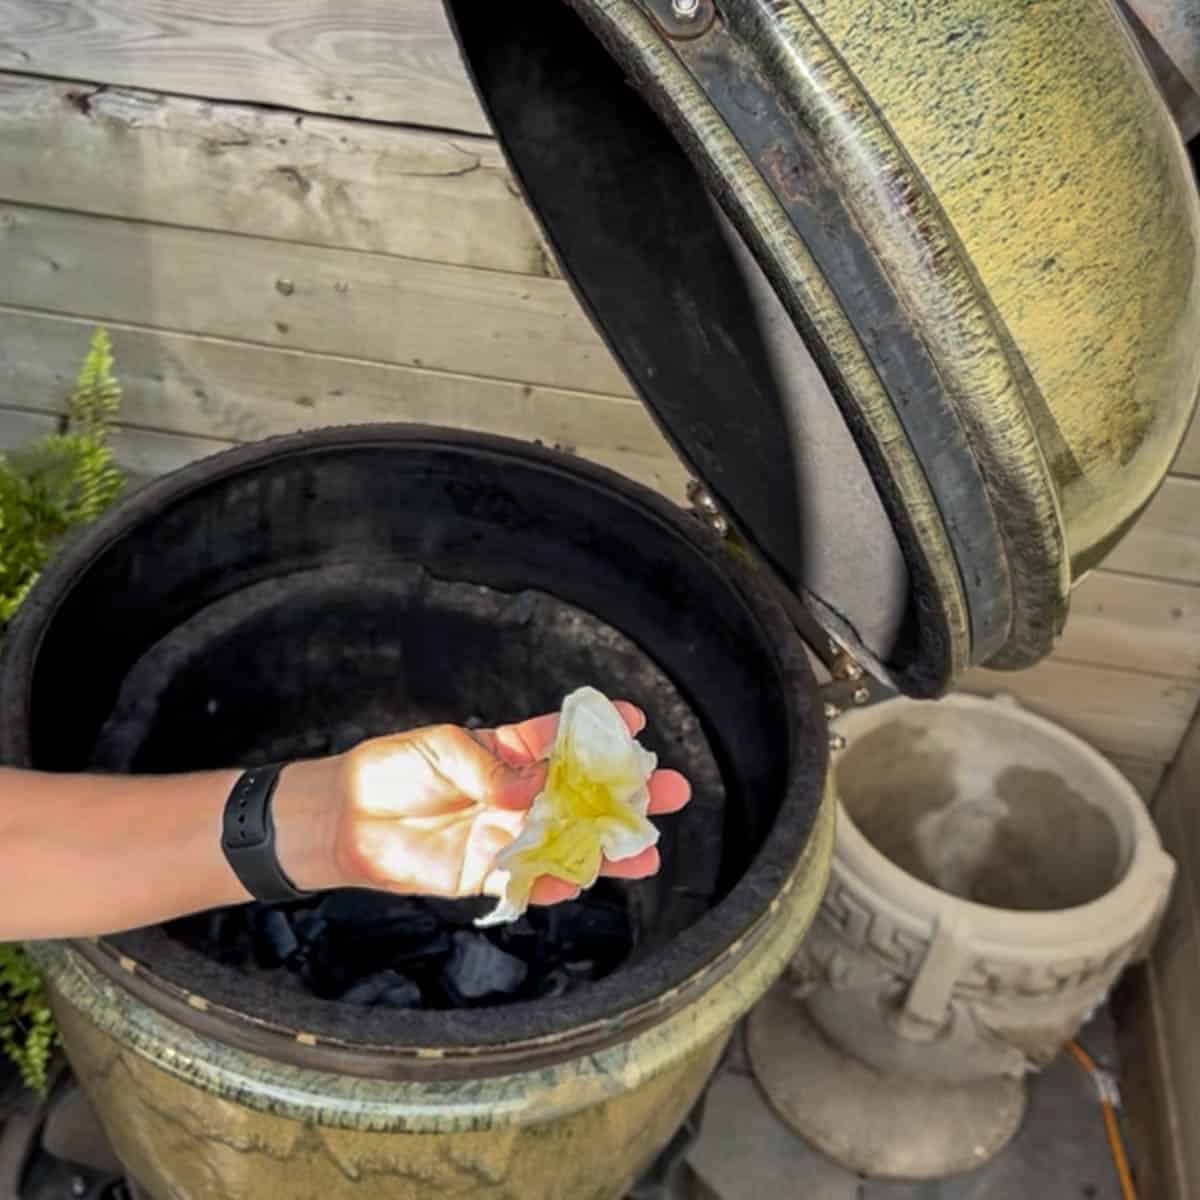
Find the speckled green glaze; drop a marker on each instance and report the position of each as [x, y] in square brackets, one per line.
[940, 295]
[1037, 128]
[763, 222]
[195, 1119]
[1017, 178]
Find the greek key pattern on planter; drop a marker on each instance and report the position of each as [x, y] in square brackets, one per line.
[863, 927]
[850, 918]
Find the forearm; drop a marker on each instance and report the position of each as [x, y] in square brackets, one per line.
[82, 855]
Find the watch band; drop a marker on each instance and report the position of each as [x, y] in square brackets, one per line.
[248, 836]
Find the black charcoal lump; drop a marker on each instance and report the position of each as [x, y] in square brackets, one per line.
[477, 968]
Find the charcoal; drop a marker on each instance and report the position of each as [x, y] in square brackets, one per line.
[221, 925]
[589, 929]
[375, 949]
[370, 910]
[308, 927]
[357, 906]
[477, 968]
[325, 973]
[522, 609]
[556, 982]
[520, 938]
[458, 914]
[396, 952]
[404, 995]
[407, 949]
[374, 987]
[274, 940]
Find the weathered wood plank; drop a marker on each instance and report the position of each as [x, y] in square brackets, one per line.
[379, 59]
[220, 389]
[209, 387]
[1135, 624]
[17, 427]
[1175, 971]
[1155, 1127]
[238, 169]
[1187, 461]
[1145, 776]
[146, 452]
[360, 305]
[149, 452]
[141, 452]
[1165, 542]
[1141, 717]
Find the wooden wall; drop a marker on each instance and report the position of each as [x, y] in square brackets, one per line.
[289, 215]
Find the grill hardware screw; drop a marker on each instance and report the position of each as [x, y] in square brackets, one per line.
[837, 741]
[832, 712]
[861, 695]
[686, 10]
[706, 508]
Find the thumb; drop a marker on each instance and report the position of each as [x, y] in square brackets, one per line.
[515, 788]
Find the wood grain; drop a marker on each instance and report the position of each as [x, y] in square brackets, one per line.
[359, 305]
[143, 453]
[146, 453]
[379, 59]
[229, 390]
[209, 387]
[1175, 971]
[1145, 776]
[1165, 542]
[239, 169]
[1134, 624]
[1140, 717]
[1187, 461]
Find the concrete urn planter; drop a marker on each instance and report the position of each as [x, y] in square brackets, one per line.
[992, 878]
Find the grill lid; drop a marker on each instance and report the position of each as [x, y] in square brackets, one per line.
[926, 329]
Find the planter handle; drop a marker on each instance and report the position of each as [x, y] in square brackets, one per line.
[926, 1009]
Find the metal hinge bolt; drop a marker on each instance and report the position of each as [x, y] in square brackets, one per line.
[706, 508]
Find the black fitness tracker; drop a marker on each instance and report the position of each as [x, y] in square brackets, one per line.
[248, 836]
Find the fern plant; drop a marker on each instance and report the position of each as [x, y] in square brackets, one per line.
[27, 1032]
[60, 481]
[48, 488]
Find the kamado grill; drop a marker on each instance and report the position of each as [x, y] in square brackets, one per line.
[841, 253]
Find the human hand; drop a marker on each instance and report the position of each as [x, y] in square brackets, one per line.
[426, 812]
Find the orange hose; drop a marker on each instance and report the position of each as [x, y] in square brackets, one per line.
[1111, 1128]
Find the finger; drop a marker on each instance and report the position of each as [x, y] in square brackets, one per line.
[527, 741]
[450, 768]
[549, 890]
[669, 792]
[633, 716]
[638, 867]
[515, 788]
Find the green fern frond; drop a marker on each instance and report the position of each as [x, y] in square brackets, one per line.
[27, 1032]
[93, 403]
[46, 489]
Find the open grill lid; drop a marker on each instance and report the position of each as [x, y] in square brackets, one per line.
[914, 296]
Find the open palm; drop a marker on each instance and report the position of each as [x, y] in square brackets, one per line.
[429, 810]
